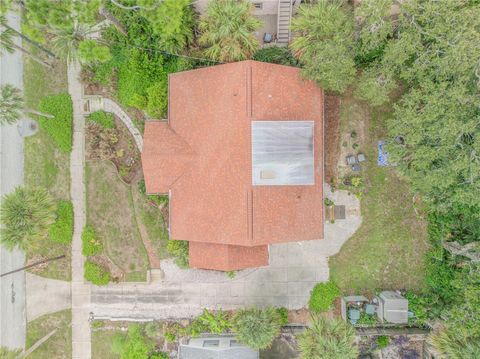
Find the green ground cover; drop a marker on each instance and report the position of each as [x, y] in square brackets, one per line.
[59, 345]
[46, 166]
[387, 251]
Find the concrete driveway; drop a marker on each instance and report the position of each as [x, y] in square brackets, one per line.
[293, 271]
[12, 298]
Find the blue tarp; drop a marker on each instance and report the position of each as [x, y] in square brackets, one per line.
[382, 159]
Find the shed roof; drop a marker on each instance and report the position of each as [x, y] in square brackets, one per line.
[226, 347]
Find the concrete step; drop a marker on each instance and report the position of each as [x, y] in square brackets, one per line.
[156, 275]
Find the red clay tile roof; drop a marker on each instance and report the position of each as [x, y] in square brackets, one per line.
[203, 156]
[226, 257]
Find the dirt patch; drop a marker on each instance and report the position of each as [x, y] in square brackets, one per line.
[400, 346]
[332, 123]
[116, 145]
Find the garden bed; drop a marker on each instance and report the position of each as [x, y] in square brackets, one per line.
[114, 144]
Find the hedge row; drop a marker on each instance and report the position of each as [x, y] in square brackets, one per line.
[60, 127]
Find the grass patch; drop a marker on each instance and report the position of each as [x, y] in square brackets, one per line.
[45, 165]
[150, 217]
[101, 343]
[387, 251]
[91, 245]
[59, 345]
[62, 230]
[60, 127]
[111, 213]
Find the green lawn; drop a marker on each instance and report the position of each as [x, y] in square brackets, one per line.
[387, 250]
[110, 211]
[149, 215]
[102, 342]
[46, 166]
[59, 345]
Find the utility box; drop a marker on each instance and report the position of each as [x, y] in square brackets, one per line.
[392, 308]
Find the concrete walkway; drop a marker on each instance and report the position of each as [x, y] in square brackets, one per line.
[81, 341]
[293, 271]
[58, 293]
[12, 287]
[98, 103]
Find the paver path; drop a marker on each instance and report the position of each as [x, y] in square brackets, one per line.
[294, 269]
[81, 340]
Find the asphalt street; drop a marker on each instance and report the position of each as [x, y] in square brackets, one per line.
[12, 295]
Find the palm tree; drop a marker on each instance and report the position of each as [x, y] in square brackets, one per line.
[12, 105]
[26, 215]
[257, 328]
[227, 30]
[7, 43]
[66, 40]
[454, 343]
[328, 339]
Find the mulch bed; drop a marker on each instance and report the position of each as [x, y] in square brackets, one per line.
[332, 137]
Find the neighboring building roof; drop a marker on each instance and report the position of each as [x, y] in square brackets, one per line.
[203, 156]
[216, 347]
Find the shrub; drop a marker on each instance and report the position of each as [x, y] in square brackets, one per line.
[328, 202]
[179, 250]
[60, 127]
[257, 328]
[96, 274]
[157, 96]
[212, 322]
[283, 315]
[62, 230]
[142, 83]
[322, 296]
[383, 341]
[26, 216]
[276, 55]
[152, 330]
[367, 319]
[102, 118]
[91, 245]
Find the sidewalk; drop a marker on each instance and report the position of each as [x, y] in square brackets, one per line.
[81, 338]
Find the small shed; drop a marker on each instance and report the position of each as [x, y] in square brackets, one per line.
[392, 308]
[215, 347]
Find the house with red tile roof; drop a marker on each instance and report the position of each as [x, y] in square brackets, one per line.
[241, 158]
